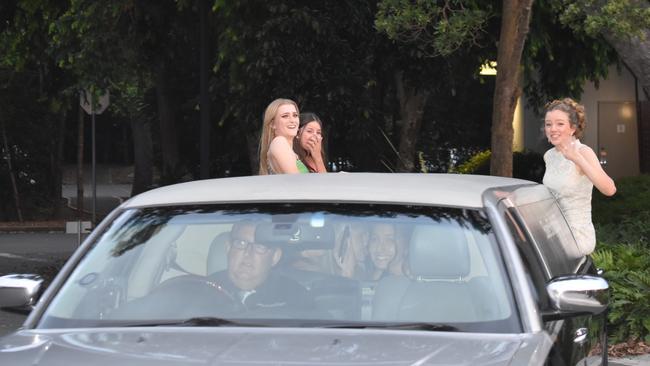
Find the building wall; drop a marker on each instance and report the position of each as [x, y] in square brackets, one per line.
[618, 87]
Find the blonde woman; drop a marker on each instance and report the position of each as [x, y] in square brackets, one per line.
[572, 169]
[280, 128]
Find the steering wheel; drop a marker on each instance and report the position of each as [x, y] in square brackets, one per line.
[197, 292]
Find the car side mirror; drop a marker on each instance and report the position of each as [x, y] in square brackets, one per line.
[578, 294]
[20, 292]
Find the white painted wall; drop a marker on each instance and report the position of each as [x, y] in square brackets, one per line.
[618, 87]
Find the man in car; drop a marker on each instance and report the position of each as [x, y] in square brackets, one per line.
[250, 281]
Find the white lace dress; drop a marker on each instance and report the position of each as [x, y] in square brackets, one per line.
[573, 192]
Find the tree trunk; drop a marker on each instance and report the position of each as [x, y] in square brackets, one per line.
[56, 166]
[142, 156]
[514, 28]
[12, 176]
[412, 102]
[80, 164]
[168, 143]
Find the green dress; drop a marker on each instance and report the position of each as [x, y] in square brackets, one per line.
[302, 168]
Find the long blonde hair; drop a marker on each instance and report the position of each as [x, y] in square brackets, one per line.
[268, 134]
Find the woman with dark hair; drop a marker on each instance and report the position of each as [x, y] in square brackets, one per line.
[573, 169]
[309, 146]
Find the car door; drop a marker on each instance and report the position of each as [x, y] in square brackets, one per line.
[549, 250]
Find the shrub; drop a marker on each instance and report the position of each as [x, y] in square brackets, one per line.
[623, 230]
[627, 269]
[527, 165]
[631, 199]
[479, 163]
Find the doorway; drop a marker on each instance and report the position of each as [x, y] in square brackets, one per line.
[618, 140]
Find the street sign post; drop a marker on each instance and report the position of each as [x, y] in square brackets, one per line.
[92, 107]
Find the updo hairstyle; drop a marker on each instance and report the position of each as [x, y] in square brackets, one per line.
[574, 110]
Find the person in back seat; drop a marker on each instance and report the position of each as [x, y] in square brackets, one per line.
[371, 254]
[351, 250]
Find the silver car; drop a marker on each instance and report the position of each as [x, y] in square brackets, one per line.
[320, 269]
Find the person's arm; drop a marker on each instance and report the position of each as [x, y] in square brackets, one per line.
[314, 148]
[345, 256]
[587, 162]
[320, 165]
[282, 156]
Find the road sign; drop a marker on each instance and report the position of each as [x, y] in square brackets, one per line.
[85, 100]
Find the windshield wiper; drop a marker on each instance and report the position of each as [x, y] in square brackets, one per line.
[205, 321]
[422, 326]
[399, 326]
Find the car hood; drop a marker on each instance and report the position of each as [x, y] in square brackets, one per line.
[268, 346]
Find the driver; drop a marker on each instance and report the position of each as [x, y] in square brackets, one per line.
[250, 279]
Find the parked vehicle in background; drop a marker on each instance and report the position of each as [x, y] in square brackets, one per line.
[447, 269]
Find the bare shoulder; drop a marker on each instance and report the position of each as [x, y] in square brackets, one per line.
[279, 142]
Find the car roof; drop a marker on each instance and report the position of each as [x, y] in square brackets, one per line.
[456, 190]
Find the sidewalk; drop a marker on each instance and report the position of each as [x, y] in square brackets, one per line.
[641, 360]
[108, 197]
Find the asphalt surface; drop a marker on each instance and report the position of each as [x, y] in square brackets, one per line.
[40, 253]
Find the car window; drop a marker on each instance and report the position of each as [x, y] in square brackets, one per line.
[549, 231]
[292, 265]
[537, 274]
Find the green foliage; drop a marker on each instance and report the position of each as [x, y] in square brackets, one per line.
[31, 135]
[320, 54]
[527, 165]
[627, 269]
[631, 200]
[475, 165]
[622, 18]
[558, 58]
[623, 230]
[436, 29]
[422, 163]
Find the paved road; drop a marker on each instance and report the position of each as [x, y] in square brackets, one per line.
[41, 253]
[45, 253]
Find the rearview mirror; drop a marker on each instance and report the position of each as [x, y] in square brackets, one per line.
[292, 235]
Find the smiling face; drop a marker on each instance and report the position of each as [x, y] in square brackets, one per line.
[310, 131]
[285, 123]
[382, 246]
[558, 128]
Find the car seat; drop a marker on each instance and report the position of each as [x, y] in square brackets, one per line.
[217, 256]
[436, 288]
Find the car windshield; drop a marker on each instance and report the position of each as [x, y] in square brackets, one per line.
[291, 265]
